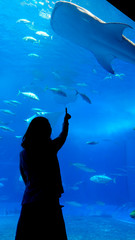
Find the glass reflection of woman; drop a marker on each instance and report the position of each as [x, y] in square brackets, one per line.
[41, 215]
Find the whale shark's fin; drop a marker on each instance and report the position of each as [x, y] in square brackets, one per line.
[105, 61]
[116, 29]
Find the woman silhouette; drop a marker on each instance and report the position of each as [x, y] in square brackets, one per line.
[41, 215]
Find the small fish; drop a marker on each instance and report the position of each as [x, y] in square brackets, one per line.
[94, 71]
[84, 97]
[101, 179]
[23, 21]
[132, 214]
[73, 203]
[31, 39]
[30, 95]
[75, 188]
[5, 128]
[109, 76]
[18, 136]
[83, 167]
[100, 203]
[120, 75]
[11, 102]
[58, 91]
[4, 198]
[37, 110]
[33, 55]
[122, 169]
[6, 101]
[41, 3]
[7, 111]
[42, 113]
[82, 84]
[1, 185]
[28, 120]
[56, 74]
[14, 102]
[119, 174]
[92, 143]
[3, 179]
[44, 14]
[41, 33]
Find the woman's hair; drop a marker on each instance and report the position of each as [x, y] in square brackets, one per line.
[38, 131]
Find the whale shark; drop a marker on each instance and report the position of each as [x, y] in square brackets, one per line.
[105, 40]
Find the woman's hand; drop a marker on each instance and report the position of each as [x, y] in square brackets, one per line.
[67, 115]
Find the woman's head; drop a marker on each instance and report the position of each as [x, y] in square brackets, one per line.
[38, 132]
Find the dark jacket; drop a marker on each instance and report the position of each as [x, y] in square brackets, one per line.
[40, 170]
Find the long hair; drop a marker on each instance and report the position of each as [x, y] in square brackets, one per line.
[38, 132]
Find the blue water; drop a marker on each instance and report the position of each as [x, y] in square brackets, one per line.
[109, 121]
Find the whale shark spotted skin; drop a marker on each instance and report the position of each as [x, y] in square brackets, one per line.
[105, 40]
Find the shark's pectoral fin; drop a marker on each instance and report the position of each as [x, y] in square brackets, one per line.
[116, 29]
[105, 61]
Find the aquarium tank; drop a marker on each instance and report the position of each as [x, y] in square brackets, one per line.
[56, 59]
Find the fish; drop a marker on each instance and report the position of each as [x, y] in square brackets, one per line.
[41, 33]
[11, 102]
[74, 204]
[37, 110]
[3, 179]
[18, 136]
[56, 74]
[7, 111]
[117, 75]
[31, 39]
[33, 55]
[92, 143]
[23, 21]
[41, 3]
[81, 27]
[132, 214]
[7, 101]
[119, 174]
[82, 84]
[84, 97]
[101, 179]
[42, 113]
[4, 198]
[44, 14]
[5, 128]
[58, 91]
[14, 102]
[75, 187]
[100, 203]
[120, 75]
[109, 76]
[1, 185]
[83, 167]
[28, 120]
[29, 95]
